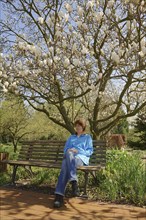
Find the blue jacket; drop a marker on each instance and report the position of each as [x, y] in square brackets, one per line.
[83, 144]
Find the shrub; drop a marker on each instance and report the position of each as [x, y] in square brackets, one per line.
[124, 178]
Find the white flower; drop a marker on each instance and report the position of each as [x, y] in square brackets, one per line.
[120, 52]
[76, 62]
[98, 16]
[87, 62]
[79, 23]
[128, 24]
[33, 49]
[40, 63]
[74, 48]
[68, 7]
[134, 45]
[45, 62]
[64, 45]
[90, 4]
[142, 43]
[142, 3]
[41, 20]
[99, 75]
[66, 17]
[70, 27]
[56, 58]
[0, 73]
[143, 50]
[84, 50]
[97, 3]
[5, 90]
[21, 45]
[14, 84]
[115, 57]
[58, 33]
[6, 84]
[80, 11]
[66, 62]
[141, 54]
[51, 49]
[50, 62]
[85, 26]
[111, 3]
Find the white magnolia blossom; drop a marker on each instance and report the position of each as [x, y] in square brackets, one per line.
[6, 84]
[66, 62]
[100, 75]
[64, 44]
[79, 23]
[111, 3]
[70, 27]
[58, 33]
[98, 16]
[51, 49]
[84, 50]
[80, 11]
[50, 62]
[128, 24]
[76, 62]
[45, 62]
[41, 20]
[56, 59]
[61, 14]
[120, 52]
[14, 84]
[66, 17]
[84, 26]
[143, 3]
[115, 57]
[141, 54]
[90, 4]
[74, 48]
[143, 43]
[68, 8]
[5, 90]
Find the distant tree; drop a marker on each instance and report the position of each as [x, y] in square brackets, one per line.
[14, 119]
[139, 133]
[43, 128]
[122, 127]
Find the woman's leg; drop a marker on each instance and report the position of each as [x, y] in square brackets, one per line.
[62, 179]
[72, 162]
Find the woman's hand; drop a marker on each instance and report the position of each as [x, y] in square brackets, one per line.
[73, 150]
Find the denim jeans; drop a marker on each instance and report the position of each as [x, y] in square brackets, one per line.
[68, 171]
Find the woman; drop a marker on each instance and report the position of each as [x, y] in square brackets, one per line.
[77, 152]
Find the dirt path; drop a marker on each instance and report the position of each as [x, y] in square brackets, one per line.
[22, 205]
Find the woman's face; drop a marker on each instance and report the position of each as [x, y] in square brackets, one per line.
[79, 129]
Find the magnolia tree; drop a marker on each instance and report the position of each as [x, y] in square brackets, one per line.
[76, 57]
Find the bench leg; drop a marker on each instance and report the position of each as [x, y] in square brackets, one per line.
[29, 170]
[86, 182]
[14, 174]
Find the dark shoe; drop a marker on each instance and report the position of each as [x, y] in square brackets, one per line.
[75, 190]
[58, 201]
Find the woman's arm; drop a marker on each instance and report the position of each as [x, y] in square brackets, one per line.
[67, 144]
[88, 150]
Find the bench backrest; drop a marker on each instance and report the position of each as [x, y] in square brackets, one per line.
[52, 152]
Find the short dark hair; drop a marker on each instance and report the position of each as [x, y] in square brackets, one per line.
[81, 122]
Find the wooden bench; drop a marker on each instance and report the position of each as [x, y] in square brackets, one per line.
[49, 154]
